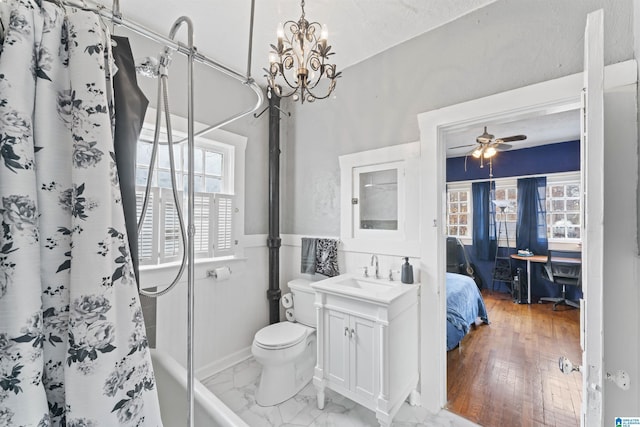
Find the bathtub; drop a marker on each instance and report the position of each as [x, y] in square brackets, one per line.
[171, 380]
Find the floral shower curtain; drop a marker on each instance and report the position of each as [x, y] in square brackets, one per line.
[73, 349]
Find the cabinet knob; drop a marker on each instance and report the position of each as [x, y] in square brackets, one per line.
[346, 331]
[353, 332]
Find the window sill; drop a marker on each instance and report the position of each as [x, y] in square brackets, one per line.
[559, 245]
[163, 274]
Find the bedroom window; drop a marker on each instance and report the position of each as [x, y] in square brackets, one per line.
[160, 239]
[562, 203]
[507, 191]
[459, 212]
[563, 210]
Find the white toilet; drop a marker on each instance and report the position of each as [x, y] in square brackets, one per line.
[287, 350]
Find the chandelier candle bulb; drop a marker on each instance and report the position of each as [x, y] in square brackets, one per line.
[324, 35]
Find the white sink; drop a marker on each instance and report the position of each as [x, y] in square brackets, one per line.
[368, 284]
[352, 285]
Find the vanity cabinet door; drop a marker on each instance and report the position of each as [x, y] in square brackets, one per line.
[336, 348]
[350, 353]
[363, 357]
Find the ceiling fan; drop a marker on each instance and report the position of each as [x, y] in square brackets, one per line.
[487, 145]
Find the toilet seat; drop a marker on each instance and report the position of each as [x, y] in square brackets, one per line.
[280, 335]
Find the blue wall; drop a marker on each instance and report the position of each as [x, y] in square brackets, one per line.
[552, 158]
[546, 159]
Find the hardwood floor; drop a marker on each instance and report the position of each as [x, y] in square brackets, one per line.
[506, 373]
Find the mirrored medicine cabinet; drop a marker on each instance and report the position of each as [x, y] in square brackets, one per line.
[379, 200]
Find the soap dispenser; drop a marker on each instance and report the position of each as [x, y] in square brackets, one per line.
[407, 272]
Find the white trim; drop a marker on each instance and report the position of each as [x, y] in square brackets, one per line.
[548, 97]
[161, 275]
[205, 372]
[296, 239]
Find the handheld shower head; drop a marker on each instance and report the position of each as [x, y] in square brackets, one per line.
[148, 67]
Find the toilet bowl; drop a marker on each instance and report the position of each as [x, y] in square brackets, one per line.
[287, 350]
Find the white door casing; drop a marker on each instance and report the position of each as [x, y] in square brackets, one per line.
[592, 171]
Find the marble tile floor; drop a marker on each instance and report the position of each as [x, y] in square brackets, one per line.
[236, 387]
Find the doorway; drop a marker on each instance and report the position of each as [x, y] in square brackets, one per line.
[544, 98]
[507, 373]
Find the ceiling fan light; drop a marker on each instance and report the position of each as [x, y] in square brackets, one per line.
[477, 153]
[490, 152]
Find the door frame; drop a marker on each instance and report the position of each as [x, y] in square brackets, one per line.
[548, 97]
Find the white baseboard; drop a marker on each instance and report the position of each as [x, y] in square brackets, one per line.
[203, 373]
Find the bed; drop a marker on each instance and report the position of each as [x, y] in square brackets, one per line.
[464, 306]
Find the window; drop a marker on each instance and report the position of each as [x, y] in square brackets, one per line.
[506, 194]
[562, 203]
[160, 240]
[563, 210]
[459, 212]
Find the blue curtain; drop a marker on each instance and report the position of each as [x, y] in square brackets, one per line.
[484, 230]
[532, 222]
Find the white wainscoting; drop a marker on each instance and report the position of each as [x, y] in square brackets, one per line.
[227, 313]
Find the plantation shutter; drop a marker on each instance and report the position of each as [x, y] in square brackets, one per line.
[223, 225]
[170, 234]
[148, 236]
[203, 208]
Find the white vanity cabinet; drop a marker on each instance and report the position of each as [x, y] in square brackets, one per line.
[351, 341]
[367, 345]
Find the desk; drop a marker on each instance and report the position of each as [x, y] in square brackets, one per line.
[533, 258]
[541, 259]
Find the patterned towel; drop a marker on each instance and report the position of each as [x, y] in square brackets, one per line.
[327, 257]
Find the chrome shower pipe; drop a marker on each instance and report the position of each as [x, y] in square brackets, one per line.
[191, 228]
[249, 81]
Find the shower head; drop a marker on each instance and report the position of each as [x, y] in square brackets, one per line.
[154, 67]
[148, 67]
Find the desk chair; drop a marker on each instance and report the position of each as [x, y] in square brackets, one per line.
[563, 268]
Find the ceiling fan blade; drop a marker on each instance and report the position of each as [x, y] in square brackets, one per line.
[503, 147]
[511, 138]
[461, 146]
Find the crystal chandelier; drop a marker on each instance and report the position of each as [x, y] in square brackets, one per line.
[300, 61]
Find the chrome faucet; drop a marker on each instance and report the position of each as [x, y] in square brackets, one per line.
[375, 257]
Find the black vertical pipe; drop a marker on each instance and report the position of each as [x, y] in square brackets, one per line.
[273, 240]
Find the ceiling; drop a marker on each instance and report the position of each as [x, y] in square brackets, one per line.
[545, 129]
[358, 29]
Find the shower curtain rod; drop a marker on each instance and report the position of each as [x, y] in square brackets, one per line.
[117, 19]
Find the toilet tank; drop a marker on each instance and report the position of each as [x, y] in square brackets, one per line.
[303, 301]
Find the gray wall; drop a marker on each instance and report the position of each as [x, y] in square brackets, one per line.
[506, 45]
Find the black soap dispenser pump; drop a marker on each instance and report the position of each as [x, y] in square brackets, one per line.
[407, 272]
